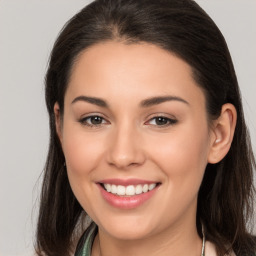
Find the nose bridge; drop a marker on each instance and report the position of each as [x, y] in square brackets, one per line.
[125, 148]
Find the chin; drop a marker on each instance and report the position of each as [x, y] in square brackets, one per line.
[128, 228]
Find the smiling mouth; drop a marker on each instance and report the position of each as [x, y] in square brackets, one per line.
[130, 190]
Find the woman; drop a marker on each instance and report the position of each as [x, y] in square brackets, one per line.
[147, 136]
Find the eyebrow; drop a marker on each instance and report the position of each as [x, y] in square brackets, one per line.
[145, 103]
[161, 99]
[93, 100]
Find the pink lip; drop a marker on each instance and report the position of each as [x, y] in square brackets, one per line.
[126, 182]
[126, 202]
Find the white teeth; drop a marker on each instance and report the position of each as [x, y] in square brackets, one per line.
[120, 190]
[107, 187]
[130, 190]
[151, 186]
[145, 188]
[113, 189]
[138, 189]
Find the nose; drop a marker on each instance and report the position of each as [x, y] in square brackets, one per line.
[125, 148]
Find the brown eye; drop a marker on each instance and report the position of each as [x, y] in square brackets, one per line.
[161, 121]
[93, 121]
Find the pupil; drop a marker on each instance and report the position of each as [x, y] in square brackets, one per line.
[161, 121]
[96, 120]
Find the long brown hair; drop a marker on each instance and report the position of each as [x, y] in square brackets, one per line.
[225, 200]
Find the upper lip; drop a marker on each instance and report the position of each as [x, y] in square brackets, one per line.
[126, 182]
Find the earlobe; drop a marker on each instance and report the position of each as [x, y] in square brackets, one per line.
[222, 133]
[58, 120]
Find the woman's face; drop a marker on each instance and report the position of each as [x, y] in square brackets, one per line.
[135, 123]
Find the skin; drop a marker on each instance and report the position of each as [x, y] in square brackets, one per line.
[129, 143]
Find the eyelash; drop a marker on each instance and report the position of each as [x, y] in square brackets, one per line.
[84, 121]
[161, 118]
[168, 121]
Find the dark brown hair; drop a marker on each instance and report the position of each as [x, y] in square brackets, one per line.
[183, 28]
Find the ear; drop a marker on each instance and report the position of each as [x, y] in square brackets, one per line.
[58, 120]
[222, 133]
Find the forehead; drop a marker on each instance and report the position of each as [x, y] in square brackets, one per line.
[135, 58]
[117, 69]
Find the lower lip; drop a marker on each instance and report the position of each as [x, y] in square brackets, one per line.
[126, 202]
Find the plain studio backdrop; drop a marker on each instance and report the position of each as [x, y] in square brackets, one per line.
[28, 29]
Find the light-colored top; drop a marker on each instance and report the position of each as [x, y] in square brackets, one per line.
[210, 249]
[86, 242]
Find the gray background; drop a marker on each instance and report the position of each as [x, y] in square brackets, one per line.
[28, 29]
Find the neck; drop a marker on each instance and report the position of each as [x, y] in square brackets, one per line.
[176, 241]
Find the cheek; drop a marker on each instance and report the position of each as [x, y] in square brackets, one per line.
[82, 152]
[182, 155]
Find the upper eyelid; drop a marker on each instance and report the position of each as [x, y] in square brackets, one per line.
[88, 115]
[171, 120]
[84, 121]
[147, 118]
[168, 118]
[91, 116]
[159, 114]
